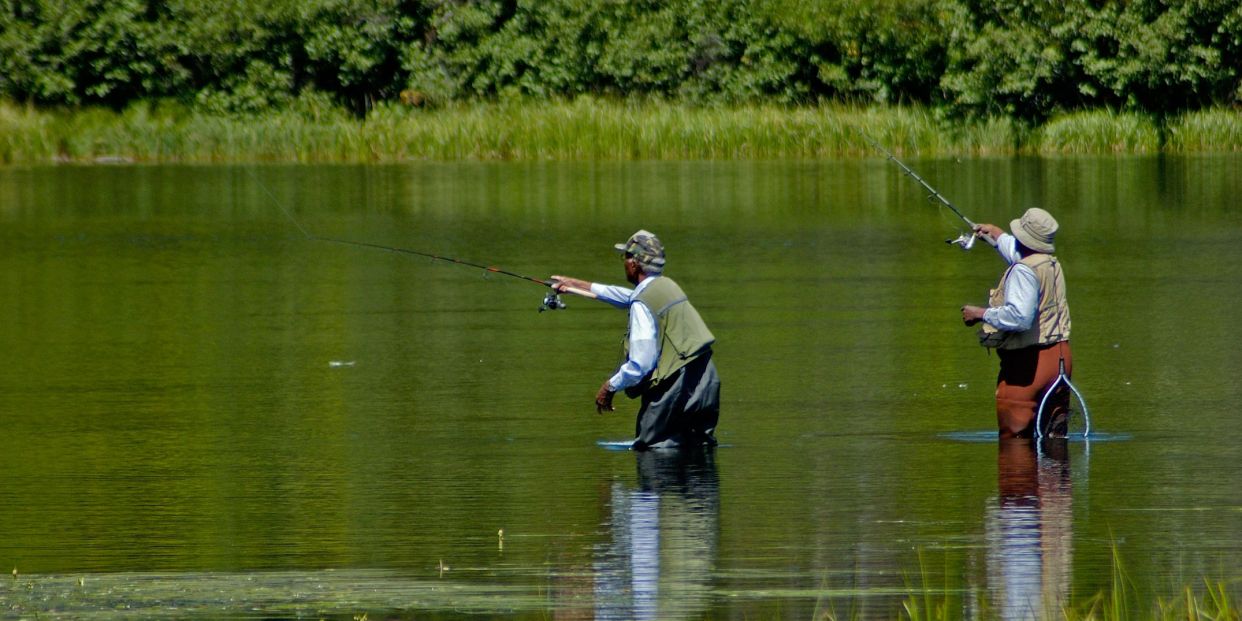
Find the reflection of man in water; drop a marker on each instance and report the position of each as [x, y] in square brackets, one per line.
[664, 536]
[1029, 532]
[1028, 322]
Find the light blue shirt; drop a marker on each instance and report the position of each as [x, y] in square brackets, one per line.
[1017, 313]
[644, 339]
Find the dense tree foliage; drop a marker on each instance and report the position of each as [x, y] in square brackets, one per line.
[1028, 59]
[1031, 58]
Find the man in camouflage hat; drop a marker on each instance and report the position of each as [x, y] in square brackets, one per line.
[668, 351]
[1027, 321]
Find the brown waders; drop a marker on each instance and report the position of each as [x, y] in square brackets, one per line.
[1025, 374]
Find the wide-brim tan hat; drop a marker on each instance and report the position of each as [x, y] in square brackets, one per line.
[1036, 229]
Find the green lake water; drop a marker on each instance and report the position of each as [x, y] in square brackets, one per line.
[205, 414]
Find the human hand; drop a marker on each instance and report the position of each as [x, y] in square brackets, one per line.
[989, 231]
[603, 398]
[972, 315]
[562, 283]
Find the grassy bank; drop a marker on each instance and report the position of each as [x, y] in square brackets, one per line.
[1211, 601]
[939, 598]
[580, 129]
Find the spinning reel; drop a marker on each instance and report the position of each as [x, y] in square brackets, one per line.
[965, 241]
[552, 301]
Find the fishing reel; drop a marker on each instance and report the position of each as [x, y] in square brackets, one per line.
[552, 301]
[965, 241]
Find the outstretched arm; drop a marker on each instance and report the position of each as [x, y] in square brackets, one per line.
[1005, 243]
[564, 283]
[616, 296]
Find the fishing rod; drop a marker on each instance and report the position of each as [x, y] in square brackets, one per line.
[551, 301]
[966, 240]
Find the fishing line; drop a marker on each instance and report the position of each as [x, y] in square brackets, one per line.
[278, 203]
[551, 301]
[965, 240]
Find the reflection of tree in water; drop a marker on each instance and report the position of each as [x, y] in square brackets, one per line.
[1029, 530]
[664, 536]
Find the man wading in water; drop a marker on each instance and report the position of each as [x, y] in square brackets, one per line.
[668, 352]
[1027, 321]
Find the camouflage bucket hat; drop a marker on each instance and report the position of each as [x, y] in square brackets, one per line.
[646, 248]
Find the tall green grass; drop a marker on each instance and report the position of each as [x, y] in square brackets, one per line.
[584, 128]
[1099, 132]
[1121, 600]
[588, 128]
[1217, 129]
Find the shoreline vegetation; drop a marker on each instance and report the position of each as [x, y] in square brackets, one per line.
[395, 80]
[1209, 601]
[941, 598]
[584, 128]
[929, 596]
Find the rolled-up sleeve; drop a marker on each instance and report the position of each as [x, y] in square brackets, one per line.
[644, 348]
[1007, 247]
[1017, 313]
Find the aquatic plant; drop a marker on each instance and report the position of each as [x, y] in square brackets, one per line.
[24, 135]
[312, 130]
[1217, 129]
[1118, 602]
[1097, 131]
[931, 602]
[1121, 600]
[1215, 603]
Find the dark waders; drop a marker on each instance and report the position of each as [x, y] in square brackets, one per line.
[682, 410]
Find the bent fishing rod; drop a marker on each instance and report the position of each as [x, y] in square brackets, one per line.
[966, 240]
[551, 301]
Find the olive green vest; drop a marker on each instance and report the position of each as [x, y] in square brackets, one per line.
[682, 333]
[1052, 318]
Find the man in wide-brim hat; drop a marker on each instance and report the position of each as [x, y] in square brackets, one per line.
[1027, 321]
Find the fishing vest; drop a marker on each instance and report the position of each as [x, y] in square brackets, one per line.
[1052, 318]
[682, 333]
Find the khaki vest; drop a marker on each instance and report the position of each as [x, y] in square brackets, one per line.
[682, 333]
[1052, 318]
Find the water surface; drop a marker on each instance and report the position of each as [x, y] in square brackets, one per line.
[206, 414]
